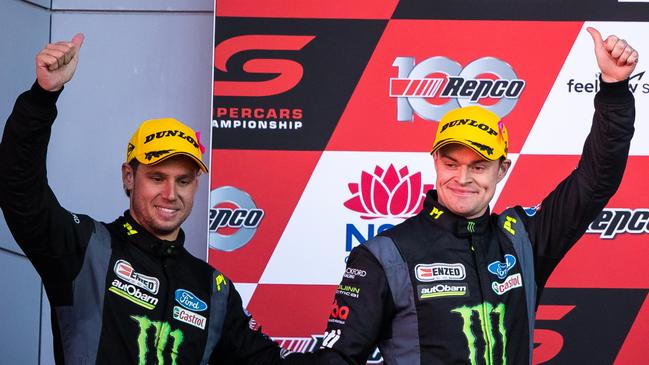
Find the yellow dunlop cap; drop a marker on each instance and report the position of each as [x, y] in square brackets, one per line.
[475, 127]
[158, 139]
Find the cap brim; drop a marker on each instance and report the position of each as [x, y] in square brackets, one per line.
[468, 144]
[200, 163]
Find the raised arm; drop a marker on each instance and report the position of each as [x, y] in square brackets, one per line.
[49, 235]
[566, 212]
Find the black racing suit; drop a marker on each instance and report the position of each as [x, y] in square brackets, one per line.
[118, 294]
[441, 289]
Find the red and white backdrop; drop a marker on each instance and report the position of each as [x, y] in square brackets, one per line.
[323, 114]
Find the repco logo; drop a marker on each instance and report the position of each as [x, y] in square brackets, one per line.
[611, 222]
[244, 219]
[289, 72]
[461, 86]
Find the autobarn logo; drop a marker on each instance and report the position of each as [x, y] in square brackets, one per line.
[442, 290]
[456, 86]
[310, 344]
[234, 218]
[611, 222]
[124, 270]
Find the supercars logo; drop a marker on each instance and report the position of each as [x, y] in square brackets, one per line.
[611, 222]
[125, 271]
[439, 271]
[455, 87]
[243, 217]
[387, 193]
[501, 269]
[288, 73]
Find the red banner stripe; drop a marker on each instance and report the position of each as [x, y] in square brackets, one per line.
[329, 9]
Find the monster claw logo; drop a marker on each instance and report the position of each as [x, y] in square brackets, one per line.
[155, 154]
[163, 335]
[484, 313]
[459, 87]
[387, 193]
[489, 150]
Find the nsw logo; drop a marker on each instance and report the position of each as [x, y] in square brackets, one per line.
[501, 269]
[190, 301]
[439, 271]
[387, 193]
[232, 210]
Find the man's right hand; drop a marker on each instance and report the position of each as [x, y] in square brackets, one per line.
[56, 63]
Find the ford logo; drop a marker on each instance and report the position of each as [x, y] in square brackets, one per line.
[190, 301]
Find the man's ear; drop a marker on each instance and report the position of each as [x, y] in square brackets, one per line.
[503, 167]
[128, 177]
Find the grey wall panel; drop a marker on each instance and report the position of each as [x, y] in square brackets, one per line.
[21, 288]
[43, 3]
[133, 67]
[130, 5]
[25, 30]
[47, 352]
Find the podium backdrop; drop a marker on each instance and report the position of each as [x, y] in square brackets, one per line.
[323, 116]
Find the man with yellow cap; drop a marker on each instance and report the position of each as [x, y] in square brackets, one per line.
[457, 284]
[125, 292]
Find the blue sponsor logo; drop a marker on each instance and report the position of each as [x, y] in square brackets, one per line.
[190, 301]
[531, 211]
[501, 269]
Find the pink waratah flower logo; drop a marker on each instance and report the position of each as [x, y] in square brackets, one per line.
[388, 193]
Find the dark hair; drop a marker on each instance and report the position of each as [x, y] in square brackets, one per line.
[134, 164]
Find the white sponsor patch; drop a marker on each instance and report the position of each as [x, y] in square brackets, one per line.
[439, 271]
[512, 281]
[330, 338]
[352, 273]
[189, 317]
[125, 271]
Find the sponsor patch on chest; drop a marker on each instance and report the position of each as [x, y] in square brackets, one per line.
[189, 317]
[439, 271]
[512, 281]
[442, 290]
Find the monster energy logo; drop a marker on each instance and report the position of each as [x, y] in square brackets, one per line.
[484, 313]
[163, 333]
[470, 226]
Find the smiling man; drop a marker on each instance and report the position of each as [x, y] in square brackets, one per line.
[125, 292]
[457, 284]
